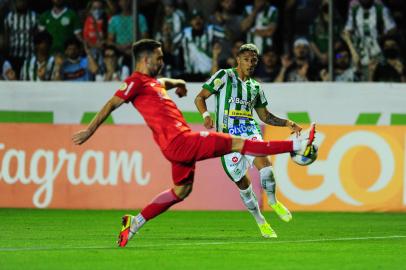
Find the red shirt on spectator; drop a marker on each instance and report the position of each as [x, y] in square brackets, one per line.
[92, 29]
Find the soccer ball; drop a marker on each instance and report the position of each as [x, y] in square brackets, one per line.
[304, 161]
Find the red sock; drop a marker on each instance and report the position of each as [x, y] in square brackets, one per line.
[256, 148]
[160, 204]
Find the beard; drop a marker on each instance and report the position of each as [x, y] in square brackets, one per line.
[155, 72]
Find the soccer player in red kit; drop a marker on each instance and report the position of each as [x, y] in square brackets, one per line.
[178, 143]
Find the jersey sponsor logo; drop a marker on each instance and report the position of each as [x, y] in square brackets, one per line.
[241, 129]
[204, 133]
[153, 84]
[241, 101]
[239, 114]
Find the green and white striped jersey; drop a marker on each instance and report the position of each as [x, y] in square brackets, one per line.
[235, 101]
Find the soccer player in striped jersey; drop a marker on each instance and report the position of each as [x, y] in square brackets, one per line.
[237, 95]
[182, 147]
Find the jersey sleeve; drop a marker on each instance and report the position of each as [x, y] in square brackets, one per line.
[216, 82]
[261, 99]
[128, 90]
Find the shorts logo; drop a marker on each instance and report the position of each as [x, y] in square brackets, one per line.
[234, 159]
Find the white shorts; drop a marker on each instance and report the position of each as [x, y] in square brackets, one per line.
[236, 164]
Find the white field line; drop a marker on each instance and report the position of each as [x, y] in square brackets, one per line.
[265, 241]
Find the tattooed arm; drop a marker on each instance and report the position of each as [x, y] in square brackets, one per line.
[273, 120]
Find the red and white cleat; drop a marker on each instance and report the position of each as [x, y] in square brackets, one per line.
[125, 233]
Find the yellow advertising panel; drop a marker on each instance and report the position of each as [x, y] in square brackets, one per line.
[359, 168]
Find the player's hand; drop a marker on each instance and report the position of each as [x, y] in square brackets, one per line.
[81, 136]
[295, 128]
[181, 91]
[208, 122]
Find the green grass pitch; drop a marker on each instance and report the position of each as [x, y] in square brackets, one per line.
[65, 239]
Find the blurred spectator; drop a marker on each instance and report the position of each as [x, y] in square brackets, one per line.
[39, 67]
[121, 28]
[392, 68]
[227, 17]
[269, 67]
[260, 22]
[301, 68]
[20, 27]
[74, 67]
[7, 71]
[367, 21]
[172, 24]
[306, 12]
[286, 28]
[174, 17]
[398, 11]
[319, 33]
[95, 27]
[62, 23]
[346, 62]
[197, 43]
[111, 70]
[229, 59]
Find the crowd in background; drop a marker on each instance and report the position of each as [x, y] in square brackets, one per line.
[91, 40]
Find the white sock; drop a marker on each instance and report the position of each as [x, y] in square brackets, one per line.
[268, 183]
[137, 222]
[297, 144]
[250, 201]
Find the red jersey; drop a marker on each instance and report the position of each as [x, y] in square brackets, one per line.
[160, 113]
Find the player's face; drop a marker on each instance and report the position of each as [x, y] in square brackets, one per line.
[247, 61]
[155, 62]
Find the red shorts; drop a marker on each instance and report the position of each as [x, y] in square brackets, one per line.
[189, 147]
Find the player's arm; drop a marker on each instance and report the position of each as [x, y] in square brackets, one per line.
[273, 120]
[200, 102]
[170, 83]
[83, 135]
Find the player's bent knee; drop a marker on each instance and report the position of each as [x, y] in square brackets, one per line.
[244, 183]
[183, 191]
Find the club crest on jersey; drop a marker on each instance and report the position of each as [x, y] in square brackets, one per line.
[217, 83]
[234, 159]
[123, 86]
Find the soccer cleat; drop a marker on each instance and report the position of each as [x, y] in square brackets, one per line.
[267, 231]
[307, 143]
[282, 211]
[125, 233]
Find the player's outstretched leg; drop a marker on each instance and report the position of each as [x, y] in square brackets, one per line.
[258, 148]
[269, 185]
